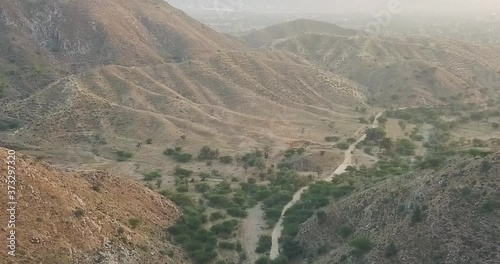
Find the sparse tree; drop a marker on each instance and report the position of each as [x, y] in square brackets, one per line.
[402, 124]
[158, 183]
[386, 143]
[206, 153]
[382, 119]
[372, 118]
[319, 170]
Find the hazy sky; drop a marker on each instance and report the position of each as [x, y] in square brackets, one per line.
[342, 6]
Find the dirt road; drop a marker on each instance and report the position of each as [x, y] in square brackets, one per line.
[278, 229]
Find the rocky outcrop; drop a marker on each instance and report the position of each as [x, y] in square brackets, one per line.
[87, 217]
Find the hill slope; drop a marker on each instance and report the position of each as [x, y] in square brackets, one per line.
[415, 70]
[43, 40]
[84, 217]
[458, 221]
[231, 96]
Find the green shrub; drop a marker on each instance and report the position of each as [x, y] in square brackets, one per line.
[227, 245]
[206, 153]
[343, 145]
[123, 155]
[178, 149]
[199, 243]
[216, 216]
[486, 166]
[182, 157]
[280, 260]
[351, 140]
[332, 139]
[78, 212]
[169, 152]
[264, 244]
[263, 260]
[344, 231]
[8, 125]
[363, 120]
[466, 191]
[152, 175]
[417, 214]
[291, 248]
[391, 250]
[322, 217]
[182, 189]
[368, 150]
[202, 187]
[226, 159]
[149, 141]
[375, 134]
[236, 212]
[182, 172]
[382, 119]
[134, 222]
[225, 228]
[489, 206]
[361, 245]
[405, 147]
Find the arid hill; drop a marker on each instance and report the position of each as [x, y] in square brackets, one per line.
[86, 217]
[233, 97]
[446, 216]
[412, 69]
[44, 40]
[259, 38]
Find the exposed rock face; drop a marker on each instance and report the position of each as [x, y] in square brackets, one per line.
[85, 217]
[459, 220]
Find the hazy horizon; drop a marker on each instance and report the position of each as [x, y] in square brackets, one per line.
[485, 7]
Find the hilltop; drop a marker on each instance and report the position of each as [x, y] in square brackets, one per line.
[87, 217]
[261, 37]
[445, 216]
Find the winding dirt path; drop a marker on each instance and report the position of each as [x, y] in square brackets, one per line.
[251, 229]
[278, 229]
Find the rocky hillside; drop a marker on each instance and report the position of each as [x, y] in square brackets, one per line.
[86, 217]
[43, 40]
[446, 216]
